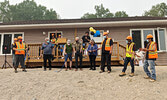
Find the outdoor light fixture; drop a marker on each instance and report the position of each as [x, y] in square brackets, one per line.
[44, 33]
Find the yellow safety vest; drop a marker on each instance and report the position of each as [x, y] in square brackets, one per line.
[129, 49]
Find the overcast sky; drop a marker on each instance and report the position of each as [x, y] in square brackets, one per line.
[76, 8]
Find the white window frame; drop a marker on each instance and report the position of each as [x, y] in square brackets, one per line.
[55, 32]
[2, 39]
[142, 39]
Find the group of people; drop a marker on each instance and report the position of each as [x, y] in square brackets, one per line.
[150, 56]
[86, 43]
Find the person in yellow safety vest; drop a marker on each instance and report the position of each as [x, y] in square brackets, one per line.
[130, 53]
[106, 46]
[13, 51]
[20, 49]
[151, 56]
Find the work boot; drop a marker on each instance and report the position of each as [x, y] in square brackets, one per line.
[101, 71]
[70, 68]
[131, 75]
[81, 69]
[50, 68]
[15, 71]
[152, 80]
[76, 69]
[109, 71]
[66, 69]
[24, 70]
[44, 69]
[90, 68]
[147, 77]
[122, 74]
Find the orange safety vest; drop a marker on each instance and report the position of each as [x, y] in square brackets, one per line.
[152, 54]
[129, 49]
[107, 45]
[20, 48]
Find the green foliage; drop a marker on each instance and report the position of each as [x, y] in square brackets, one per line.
[159, 10]
[121, 14]
[102, 12]
[26, 10]
[5, 11]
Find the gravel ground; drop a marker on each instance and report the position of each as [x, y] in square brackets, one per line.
[37, 84]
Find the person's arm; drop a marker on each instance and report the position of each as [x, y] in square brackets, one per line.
[83, 39]
[73, 46]
[88, 38]
[145, 49]
[81, 48]
[14, 46]
[111, 44]
[154, 48]
[88, 49]
[64, 51]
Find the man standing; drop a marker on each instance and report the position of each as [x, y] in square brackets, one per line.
[130, 52]
[13, 52]
[20, 49]
[47, 48]
[77, 46]
[107, 46]
[151, 56]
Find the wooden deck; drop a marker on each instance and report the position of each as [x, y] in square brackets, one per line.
[35, 59]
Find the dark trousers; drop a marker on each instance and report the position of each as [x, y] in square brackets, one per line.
[126, 61]
[106, 57]
[92, 59]
[78, 55]
[19, 59]
[47, 57]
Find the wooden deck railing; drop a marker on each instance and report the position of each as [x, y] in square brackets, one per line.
[35, 51]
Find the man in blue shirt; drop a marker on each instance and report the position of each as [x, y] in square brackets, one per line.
[47, 48]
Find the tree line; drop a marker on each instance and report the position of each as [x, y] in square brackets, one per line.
[29, 10]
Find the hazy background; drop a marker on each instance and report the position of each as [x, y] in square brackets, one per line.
[77, 8]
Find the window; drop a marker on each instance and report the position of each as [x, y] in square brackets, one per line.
[159, 36]
[55, 34]
[6, 40]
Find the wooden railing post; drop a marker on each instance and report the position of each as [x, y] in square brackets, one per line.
[118, 50]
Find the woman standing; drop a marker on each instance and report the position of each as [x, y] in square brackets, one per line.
[92, 50]
[68, 50]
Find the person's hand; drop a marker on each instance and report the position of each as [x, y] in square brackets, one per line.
[41, 55]
[94, 50]
[110, 52]
[65, 53]
[90, 51]
[132, 58]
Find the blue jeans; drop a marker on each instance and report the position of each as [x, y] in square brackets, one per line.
[150, 63]
[126, 61]
[68, 55]
[14, 60]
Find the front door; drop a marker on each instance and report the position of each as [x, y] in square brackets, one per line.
[136, 35]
